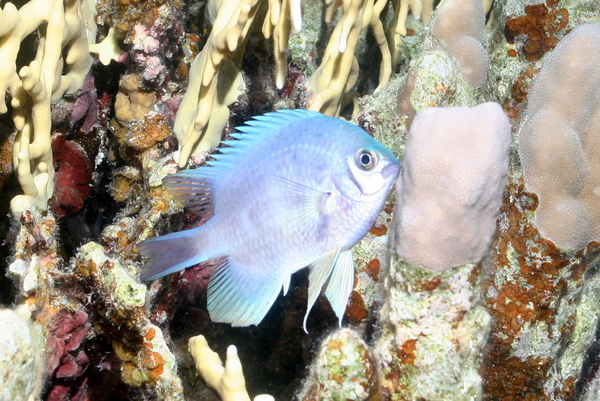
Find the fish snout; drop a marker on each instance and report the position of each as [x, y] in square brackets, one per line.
[391, 170]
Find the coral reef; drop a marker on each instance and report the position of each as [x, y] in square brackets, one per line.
[215, 80]
[338, 72]
[459, 26]
[344, 369]
[516, 318]
[72, 176]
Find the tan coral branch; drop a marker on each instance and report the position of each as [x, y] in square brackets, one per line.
[333, 80]
[215, 80]
[63, 46]
[228, 381]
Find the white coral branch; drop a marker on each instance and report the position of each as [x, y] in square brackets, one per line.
[228, 381]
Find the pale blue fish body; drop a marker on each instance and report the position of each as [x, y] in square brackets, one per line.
[293, 189]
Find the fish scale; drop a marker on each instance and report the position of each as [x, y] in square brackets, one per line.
[292, 189]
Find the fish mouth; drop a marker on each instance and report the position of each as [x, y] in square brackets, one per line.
[391, 170]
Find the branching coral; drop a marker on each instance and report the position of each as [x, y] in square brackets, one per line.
[60, 65]
[228, 381]
[108, 49]
[215, 80]
[283, 17]
[333, 80]
[401, 8]
[397, 28]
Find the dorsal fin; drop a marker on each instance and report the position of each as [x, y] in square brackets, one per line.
[196, 188]
[257, 130]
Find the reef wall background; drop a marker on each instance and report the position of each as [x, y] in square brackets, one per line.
[86, 141]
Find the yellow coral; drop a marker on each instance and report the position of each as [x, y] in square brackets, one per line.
[283, 17]
[337, 74]
[108, 49]
[62, 46]
[397, 28]
[215, 80]
[227, 381]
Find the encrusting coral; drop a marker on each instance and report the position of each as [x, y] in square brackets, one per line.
[132, 102]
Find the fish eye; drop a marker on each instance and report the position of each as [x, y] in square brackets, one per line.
[366, 159]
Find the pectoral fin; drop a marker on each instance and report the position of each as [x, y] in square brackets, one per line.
[296, 205]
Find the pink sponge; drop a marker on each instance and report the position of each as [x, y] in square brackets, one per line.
[559, 143]
[454, 173]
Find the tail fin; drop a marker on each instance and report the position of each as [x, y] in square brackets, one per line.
[169, 253]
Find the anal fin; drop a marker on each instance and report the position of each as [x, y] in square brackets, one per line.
[241, 296]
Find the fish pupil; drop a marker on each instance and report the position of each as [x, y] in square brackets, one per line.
[365, 159]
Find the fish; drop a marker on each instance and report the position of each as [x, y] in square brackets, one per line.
[292, 189]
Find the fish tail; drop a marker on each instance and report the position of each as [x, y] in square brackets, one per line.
[170, 253]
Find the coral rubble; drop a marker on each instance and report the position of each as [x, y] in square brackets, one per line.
[20, 357]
